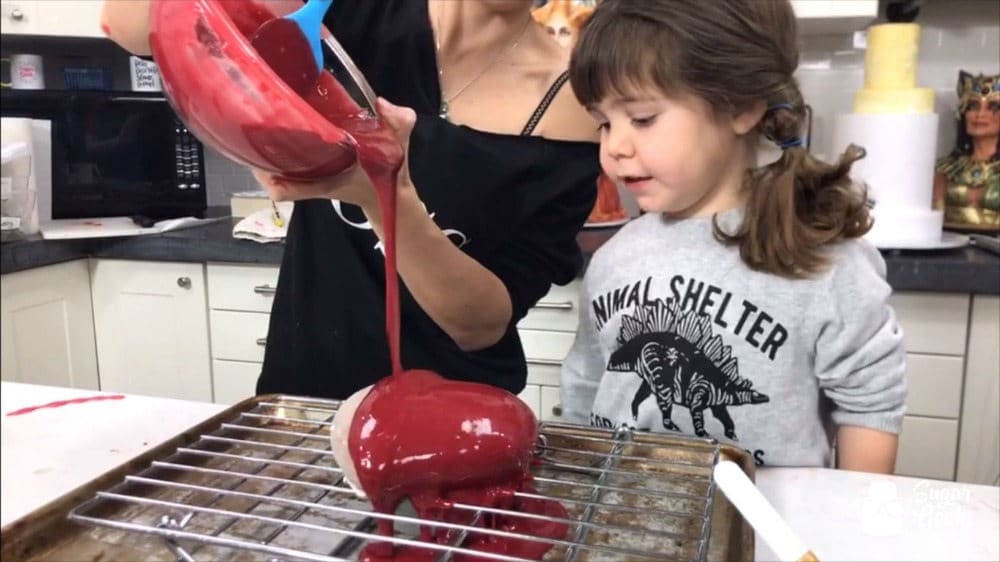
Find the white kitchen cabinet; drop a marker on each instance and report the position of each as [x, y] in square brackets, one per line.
[551, 408]
[979, 449]
[240, 299]
[233, 381]
[47, 327]
[834, 16]
[151, 322]
[19, 17]
[67, 18]
[933, 322]
[927, 448]
[531, 395]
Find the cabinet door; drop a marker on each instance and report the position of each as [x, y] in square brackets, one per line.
[551, 407]
[67, 18]
[20, 17]
[234, 381]
[979, 452]
[151, 321]
[47, 327]
[531, 397]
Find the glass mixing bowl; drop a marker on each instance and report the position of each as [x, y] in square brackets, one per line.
[229, 97]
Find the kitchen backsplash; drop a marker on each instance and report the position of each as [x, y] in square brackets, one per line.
[957, 34]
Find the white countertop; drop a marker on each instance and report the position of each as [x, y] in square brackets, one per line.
[49, 452]
[840, 515]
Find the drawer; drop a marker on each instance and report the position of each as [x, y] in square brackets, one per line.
[551, 407]
[239, 336]
[531, 396]
[934, 385]
[933, 322]
[241, 287]
[545, 346]
[557, 310]
[927, 448]
[233, 381]
[544, 372]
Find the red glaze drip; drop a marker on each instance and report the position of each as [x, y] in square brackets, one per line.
[61, 403]
[286, 49]
[420, 436]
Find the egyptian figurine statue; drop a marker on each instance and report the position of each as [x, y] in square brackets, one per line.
[967, 181]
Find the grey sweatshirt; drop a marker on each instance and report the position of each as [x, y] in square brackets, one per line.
[677, 333]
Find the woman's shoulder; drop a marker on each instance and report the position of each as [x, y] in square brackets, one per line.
[565, 118]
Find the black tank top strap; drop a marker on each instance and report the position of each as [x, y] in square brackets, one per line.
[529, 127]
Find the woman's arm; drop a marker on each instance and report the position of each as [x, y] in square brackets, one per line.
[464, 298]
[126, 22]
[866, 450]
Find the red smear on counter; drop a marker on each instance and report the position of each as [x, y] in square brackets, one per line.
[61, 403]
[437, 442]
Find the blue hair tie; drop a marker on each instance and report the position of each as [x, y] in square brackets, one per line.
[790, 143]
[778, 106]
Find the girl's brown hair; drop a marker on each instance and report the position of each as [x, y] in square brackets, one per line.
[734, 54]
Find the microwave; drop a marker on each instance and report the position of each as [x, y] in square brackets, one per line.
[116, 154]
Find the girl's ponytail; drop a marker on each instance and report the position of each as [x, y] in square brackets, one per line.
[797, 204]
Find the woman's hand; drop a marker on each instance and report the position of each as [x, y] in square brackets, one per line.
[352, 185]
[349, 186]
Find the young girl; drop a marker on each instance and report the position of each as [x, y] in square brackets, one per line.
[743, 305]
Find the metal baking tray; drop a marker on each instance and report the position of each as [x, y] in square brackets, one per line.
[258, 482]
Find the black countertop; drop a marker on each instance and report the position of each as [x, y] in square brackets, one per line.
[965, 270]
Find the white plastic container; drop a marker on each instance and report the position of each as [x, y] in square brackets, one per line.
[18, 197]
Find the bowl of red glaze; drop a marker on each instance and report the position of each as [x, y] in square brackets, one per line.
[229, 97]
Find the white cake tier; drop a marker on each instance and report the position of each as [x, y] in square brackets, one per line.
[901, 151]
[904, 228]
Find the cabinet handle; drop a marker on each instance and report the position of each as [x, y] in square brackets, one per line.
[565, 305]
[544, 362]
[262, 342]
[265, 290]
[557, 410]
[16, 14]
[184, 282]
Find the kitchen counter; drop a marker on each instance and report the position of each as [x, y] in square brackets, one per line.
[840, 515]
[966, 270]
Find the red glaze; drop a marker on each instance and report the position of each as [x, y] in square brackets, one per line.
[417, 435]
[282, 44]
[61, 403]
[231, 99]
